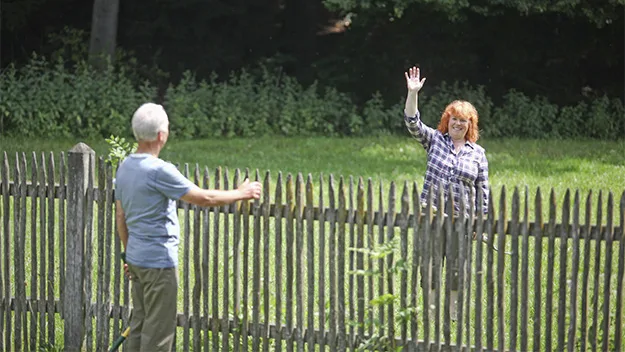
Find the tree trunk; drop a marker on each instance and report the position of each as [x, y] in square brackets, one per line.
[103, 32]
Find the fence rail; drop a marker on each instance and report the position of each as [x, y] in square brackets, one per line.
[330, 264]
[33, 189]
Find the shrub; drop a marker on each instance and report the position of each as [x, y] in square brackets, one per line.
[244, 106]
[521, 116]
[570, 121]
[605, 119]
[46, 99]
[51, 99]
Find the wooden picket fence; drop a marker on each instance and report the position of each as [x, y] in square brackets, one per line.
[326, 264]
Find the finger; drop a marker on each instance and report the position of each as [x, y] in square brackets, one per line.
[423, 81]
[407, 77]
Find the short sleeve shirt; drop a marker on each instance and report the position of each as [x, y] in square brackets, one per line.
[148, 188]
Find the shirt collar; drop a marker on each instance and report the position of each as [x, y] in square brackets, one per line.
[468, 143]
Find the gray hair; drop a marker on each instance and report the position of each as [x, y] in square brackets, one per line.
[148, 121]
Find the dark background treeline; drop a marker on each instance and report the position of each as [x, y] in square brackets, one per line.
[554, 55]
[565, 53]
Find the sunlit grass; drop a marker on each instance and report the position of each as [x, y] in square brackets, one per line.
[558, 165]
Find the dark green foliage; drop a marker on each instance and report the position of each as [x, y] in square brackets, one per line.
[557, 49]
[45, 99]
[607, 119]
[524, 117]
[248, 106]
[457, 9]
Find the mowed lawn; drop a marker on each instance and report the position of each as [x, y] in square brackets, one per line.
[559, 165]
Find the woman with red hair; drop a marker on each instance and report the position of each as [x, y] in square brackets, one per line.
[454, 161]
[454, 157]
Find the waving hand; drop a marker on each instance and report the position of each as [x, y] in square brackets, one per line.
[413, 80]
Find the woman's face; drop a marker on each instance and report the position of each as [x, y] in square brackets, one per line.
[458, 127]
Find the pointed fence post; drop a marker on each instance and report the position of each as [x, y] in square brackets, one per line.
[80, 159]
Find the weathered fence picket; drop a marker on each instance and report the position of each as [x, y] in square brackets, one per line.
[206, 264]
[538, 241]
[381, 239]
[321, 269]
[524, 274]
[41, 195]
[566, 207]
[594, 328]
[225, 321]
[21, 325]
[215, 285]
[332, 244]
[87, 244]
[607, 274]
[340, 262]
[266, 259]
[308, 278]
[184, 261]
[585, 273]
[257, 269]
[6, 301]
[620, 279]
[278, 226]
[574, 276]
[416, 258]
[197, 282]
[33, 249]
[290, 219]
[299, 263]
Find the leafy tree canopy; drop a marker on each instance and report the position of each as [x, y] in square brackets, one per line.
[600, 13]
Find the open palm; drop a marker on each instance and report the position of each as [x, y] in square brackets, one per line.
[413, 79]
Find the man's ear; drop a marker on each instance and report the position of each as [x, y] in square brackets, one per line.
[161, 135]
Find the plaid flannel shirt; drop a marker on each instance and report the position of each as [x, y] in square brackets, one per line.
[468, 168]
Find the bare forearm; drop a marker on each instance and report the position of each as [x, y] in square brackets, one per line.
[412, 103]
[215, 197]
[212, 197]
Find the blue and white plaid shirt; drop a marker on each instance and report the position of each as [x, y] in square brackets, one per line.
[468, 168]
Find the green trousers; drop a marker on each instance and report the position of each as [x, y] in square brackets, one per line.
[154, 299]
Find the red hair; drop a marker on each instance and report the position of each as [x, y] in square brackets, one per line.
[463, 109]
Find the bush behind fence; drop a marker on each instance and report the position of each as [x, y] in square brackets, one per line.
[48, 99]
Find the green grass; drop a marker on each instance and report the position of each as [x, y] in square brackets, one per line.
[559, 165]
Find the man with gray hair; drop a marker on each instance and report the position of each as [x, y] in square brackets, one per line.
[146, 190]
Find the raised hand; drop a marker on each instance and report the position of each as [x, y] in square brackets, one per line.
[413, 79]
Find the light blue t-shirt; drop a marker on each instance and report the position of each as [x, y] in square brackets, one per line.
[147, 188]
